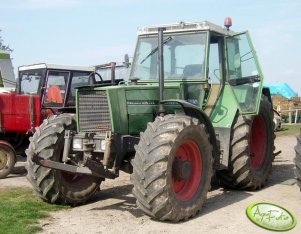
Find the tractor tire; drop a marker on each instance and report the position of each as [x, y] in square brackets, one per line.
[251, 151]
[55, 186]
[172, 168]
[7, 159]
[298, 160]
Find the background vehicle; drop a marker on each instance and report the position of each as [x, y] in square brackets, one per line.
[120, 70]
[194, 105]
[42, 90]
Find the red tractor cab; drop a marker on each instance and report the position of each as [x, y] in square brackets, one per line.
[41, 90]
[54, 84]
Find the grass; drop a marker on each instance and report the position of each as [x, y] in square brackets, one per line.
[289, 129]
[20, 210]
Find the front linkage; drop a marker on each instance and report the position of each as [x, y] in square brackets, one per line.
[92, 154]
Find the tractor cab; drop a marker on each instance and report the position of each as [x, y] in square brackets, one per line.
[55, 84]
[204, 57]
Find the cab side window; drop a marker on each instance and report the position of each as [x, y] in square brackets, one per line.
[56, 88]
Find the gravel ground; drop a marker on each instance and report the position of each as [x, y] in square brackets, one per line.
[113, 209]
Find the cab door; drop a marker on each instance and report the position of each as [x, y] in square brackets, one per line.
[244, 74]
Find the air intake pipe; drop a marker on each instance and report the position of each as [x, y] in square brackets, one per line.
[161, 70]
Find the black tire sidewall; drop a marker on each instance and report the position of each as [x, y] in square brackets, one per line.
[47, 143]
[66, 188]
[69, 191]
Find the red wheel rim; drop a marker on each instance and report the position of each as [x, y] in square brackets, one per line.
[185, 189]
[258, 142]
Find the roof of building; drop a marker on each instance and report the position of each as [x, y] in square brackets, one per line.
[281, 88]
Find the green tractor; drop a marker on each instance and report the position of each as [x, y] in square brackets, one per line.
[193, 106]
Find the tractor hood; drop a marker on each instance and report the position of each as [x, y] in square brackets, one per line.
[126, 109]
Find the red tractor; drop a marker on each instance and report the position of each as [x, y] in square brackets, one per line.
[41, 90]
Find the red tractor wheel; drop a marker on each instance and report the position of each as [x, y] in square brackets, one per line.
[172, 168]
[7, 159]
[186, 170]
[258, 141]
[251, 152]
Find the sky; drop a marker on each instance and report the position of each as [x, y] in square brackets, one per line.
[90, 32]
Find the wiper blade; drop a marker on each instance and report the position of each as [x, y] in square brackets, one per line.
[156, 49]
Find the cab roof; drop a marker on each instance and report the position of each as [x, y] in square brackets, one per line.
[184, 27]
[55, 67]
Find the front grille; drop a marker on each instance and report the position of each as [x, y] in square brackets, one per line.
[94, 113]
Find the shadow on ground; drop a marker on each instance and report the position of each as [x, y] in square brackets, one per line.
[126, 201]
[282, 173]
[19, 169]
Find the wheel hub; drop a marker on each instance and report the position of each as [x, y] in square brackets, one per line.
[181, 169]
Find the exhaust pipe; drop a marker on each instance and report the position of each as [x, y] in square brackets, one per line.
[161, 111]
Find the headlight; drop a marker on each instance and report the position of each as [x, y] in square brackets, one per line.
[77, 143]
[100, 145]
[103, 145]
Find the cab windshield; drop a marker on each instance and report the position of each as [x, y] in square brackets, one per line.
[184, 57]
[30, 81]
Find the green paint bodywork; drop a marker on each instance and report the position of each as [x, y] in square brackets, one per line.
[133, 106]
[223, 113]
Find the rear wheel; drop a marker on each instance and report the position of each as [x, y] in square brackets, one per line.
[298, 160]
[7, 159]
[172, 168]
[52, 185]
[251, 153]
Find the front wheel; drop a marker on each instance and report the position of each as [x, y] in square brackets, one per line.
[172, 168]
[52, 185]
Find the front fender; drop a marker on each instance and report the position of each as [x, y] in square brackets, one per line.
[194, 111]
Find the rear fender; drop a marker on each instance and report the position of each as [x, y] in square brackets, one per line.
[266, 92]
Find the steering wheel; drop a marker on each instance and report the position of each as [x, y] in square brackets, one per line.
[91, 75]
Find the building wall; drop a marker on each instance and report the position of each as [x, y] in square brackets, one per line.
[6, 69]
